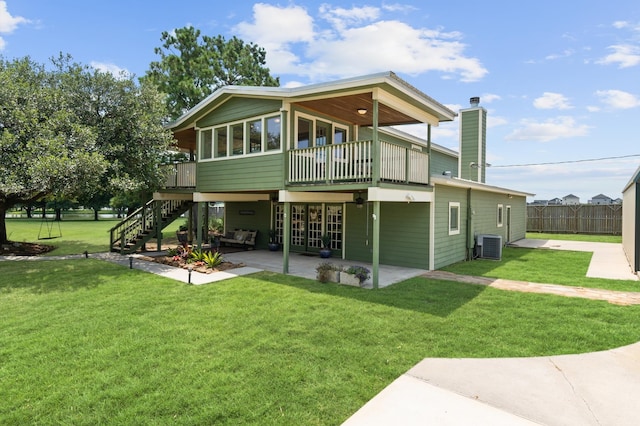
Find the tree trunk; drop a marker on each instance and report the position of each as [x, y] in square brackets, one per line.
[58, 214]
[95, 213]
[3, 224]
[29, 212]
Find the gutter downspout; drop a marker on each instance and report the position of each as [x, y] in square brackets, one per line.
[429, 154]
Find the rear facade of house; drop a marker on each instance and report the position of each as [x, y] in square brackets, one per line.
[330, 159]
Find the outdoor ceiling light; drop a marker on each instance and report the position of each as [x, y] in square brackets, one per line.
[359, 201]
[362, 111]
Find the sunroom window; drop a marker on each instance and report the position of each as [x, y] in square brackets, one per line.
[254, 136]
[206, 144]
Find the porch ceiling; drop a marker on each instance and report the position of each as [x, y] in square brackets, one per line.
[186, 139]
[346, 107]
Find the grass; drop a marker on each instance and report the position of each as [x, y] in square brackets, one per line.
[88, 342]
[576, 237]
[78, 235]
[542, 266]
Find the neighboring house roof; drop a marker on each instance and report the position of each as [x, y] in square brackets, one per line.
[333, 88]
[601, 197]
[570, 196]
[464, 183]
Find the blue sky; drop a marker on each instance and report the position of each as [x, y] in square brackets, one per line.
[560, 82]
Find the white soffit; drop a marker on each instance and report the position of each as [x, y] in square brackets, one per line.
[314, 197]
[399, 195]
[223, 196]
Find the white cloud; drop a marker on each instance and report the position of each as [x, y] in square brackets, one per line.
[113, 69]
[8, 23]
[550, 100]
[565, 54]
[625, 55]
[356, 42]
[617, 99]
[489, 97]
[552, 129]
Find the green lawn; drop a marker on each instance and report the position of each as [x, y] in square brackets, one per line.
[542, 266]
[88, 342]
[78, 235]
[575, 237]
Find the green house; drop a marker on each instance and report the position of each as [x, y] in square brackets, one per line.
[330, 159]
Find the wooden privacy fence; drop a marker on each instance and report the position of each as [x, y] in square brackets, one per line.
[576, 219]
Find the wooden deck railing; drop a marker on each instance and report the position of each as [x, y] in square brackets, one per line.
[181, 175]
[352, 162]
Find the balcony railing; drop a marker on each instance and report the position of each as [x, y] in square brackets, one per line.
[352, 162]
[181, 175]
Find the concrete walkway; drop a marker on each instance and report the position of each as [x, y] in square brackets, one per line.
[596, 389]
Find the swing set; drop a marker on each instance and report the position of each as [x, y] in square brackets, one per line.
[49, 229]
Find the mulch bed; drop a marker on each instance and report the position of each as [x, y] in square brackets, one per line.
[14, 248]
[168, 260]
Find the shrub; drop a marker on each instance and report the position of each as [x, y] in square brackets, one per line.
[213, 259]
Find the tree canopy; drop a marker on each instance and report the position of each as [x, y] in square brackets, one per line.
[72, 131]
[192, 66]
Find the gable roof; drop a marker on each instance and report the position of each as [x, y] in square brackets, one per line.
[401, 103]
[601, 197]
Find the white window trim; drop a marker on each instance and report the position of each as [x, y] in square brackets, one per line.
[457, 230]
[500, 215]
[245, 144]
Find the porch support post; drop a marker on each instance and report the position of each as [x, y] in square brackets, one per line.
[375, 149]
[286, 237]
[375, 261]
[200, 225]
[157, 212]
[429, 154]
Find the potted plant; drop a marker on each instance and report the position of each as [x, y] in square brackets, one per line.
[183, 236]
[273, 243]
[325, 251]
[327, 272]
[354, 275]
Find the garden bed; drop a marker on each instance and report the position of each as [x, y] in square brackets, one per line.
[197, 266]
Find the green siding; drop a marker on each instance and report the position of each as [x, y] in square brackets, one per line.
[250, 173]
[404, 234]
[449, 249]
[238, 109]
[472, 141]
[366, 133]
[257, 221]
[484, 220]
[441, 162]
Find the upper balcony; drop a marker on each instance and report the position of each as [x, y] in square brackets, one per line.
[353, 162]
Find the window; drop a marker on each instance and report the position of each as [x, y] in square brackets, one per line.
[499, 215]
[304, 131]
[311, 132]
[339, 135]
[221, 142]
[255, 136]
[206, 144]
[454, 218]
[237, 139]
[273, 133]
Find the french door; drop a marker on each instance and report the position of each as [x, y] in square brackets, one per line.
[308, 223]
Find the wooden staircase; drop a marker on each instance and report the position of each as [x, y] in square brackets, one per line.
[144, 224]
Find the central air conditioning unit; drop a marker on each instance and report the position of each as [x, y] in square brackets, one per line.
[489, 246]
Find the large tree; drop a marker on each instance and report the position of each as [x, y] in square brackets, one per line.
[72, 131]
[192, 66]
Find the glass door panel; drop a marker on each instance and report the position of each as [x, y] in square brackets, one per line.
[314, 228]
[298, 226]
